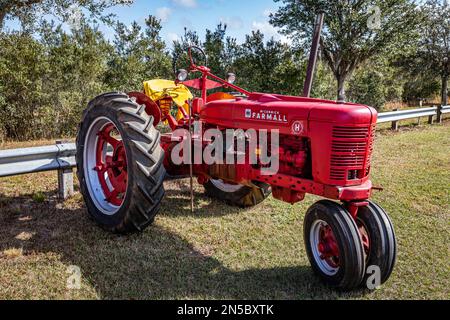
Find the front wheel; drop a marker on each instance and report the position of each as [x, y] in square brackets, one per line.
[334, 246]
[379, 240]
[120, 164]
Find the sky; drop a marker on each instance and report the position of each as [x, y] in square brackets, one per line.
[241, 16]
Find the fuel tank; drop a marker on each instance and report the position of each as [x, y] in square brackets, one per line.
[340, 135]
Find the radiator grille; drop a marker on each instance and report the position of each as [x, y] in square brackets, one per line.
[370, 150]
[347, 160]
[350, 133]
[351, 149]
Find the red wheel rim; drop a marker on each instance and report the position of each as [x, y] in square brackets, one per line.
[365, 238]
[111, 165]
[328, 247]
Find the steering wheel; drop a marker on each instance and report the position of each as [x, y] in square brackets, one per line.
[202, 52]
[191, 58]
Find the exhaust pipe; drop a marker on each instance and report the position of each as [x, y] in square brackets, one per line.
[313, 56]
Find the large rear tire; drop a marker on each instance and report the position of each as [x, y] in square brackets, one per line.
[120, 164]
[334, 246]
[237, 195]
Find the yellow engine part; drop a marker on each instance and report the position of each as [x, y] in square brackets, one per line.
[160, 89]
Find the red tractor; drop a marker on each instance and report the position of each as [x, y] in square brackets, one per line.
[323, 148]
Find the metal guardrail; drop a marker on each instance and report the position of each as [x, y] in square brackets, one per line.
[395, 116]
[38, 159]
[445, 109]
[61, 157]
[406, 114]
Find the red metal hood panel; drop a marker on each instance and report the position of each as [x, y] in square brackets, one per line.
[275, 111]
[345, 114]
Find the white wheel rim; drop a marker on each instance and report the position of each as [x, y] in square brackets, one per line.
[90, 175]
[226, 187]
[314, 240]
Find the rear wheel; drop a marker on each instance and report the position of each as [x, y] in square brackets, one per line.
[236, 194]
[120, 164]
[334, 246]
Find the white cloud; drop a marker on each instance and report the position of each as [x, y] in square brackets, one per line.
[163, 14]
[171, 37]
[233, 23]
[270, 31]
[186, 3]
[268, 12]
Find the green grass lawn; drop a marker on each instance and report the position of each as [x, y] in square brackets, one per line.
[222, 252]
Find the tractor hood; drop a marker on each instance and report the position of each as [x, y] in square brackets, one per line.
[267, 111]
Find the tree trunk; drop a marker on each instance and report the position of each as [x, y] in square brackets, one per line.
[341, 87]
[445, 90]
[2, 18]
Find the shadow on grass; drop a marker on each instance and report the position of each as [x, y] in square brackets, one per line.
[157, 264]
[177, 202]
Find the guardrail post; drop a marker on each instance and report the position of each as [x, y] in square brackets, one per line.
[65, 181]
[394, 123]
[439, 114]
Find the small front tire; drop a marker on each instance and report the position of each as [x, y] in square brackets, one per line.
[381, 250]
[334, 246]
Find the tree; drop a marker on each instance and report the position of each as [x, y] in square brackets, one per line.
[434, 50]
[46, 81]
[268, 66]
[29, 11]
[215, 47]
[376, 83]
[426, 63]
[139, 55]
[22, 85]
[222, 50]
[354, 30]
[76, 73]
[180, 47]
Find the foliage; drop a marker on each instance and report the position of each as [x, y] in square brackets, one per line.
[376, 83]
[29, 12]
[48, 74]
[77, 67]
[431, 59]
[435, 41]
[269, 66]
[23, 87]
[138, 55]
[354, 31]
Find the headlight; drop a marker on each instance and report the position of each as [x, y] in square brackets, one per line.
[182, 75]
[231, 78]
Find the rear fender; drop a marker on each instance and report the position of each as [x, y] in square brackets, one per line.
[150, 106]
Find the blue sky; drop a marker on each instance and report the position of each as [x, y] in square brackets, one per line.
[241, 16]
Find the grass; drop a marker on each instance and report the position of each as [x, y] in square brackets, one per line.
[222, 252]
